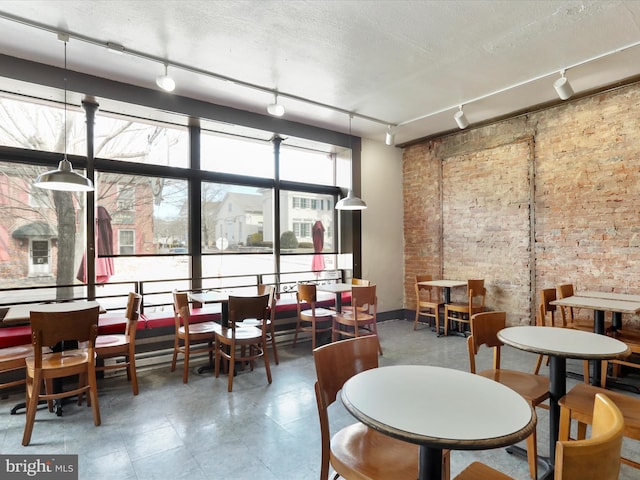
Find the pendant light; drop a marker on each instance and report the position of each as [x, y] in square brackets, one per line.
[64, 178]
[351, 202]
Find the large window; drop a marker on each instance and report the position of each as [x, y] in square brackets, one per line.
[145, 217]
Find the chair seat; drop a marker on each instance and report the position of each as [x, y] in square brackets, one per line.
[19, 352]
[462, 307]
[242, 333]
[204, 327]
[114, 340]
[349, 317]
[480, 471]
[535, 388]
[358, 452]
[320, 312]
[57, 360]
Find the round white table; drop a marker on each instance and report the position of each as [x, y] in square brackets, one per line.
[560, 344]
[438, 408]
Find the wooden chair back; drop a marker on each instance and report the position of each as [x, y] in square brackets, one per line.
[484, 331]
[565, 290]
[476, 293]
[242, 308]
[50, 328]
[181, 311]
[306, 293]
[360, 281]
[132, 314]
[599, 456]
[335, 364]
[364, 298]
[548, 295]
[271, 291]
[423, 292]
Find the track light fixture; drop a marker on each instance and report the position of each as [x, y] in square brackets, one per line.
[64, 178]
[275, 108]
[390, 137]
[165, 82]
[461, 118]
[563, 87]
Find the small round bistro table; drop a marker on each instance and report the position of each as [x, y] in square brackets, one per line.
[438, 408]
[560, 344]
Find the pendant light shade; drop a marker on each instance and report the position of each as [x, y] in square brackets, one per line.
[351, 202]
[165, 82]
[563, 87]
[64, 178]
[276, 109]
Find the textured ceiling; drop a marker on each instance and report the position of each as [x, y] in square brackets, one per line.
[410, 62]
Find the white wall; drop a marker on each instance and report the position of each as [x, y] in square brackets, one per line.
[382, 222]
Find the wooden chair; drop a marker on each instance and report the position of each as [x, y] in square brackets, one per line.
[42, 368]
[427, 304]
[251, 340]
[476, 294]
[595, 458]
[311, 318]
[122, 345]
[546, 317]
[190, 338]
[534, 388]
[362, 319]
[578, 405]
[356, 451]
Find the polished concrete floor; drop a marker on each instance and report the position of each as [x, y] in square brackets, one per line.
[257, 432]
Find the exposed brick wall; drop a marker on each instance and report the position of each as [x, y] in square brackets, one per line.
[530, 202]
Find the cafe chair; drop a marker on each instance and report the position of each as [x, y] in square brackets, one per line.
[362, 320]
[578, 405]
[311, 318]
[632, 340]
[42, 368]
[122, 345]
[428, 302]
[534, 388]
[190, 338]
[462, 312]
[357, 451]
[547, 317]
[251, 340]
[597, 458]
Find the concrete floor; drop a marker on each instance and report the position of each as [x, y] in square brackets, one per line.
[257, 432]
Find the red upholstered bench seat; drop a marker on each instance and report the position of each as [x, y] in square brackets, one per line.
[13, 336]
[110, 323]
[208, 313]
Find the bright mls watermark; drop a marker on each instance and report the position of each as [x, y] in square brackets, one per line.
[51, 467]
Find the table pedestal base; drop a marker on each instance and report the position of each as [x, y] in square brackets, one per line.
[544, 465]
[430, 463]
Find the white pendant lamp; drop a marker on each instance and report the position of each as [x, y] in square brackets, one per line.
[64, 178]
[165, 82]
[275, 109]
[563, 87]
[351, 202]
[461, 119]
[390, 136]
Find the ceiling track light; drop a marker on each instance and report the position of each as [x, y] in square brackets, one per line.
[165, 82]
[390, 137]
[275, 108]
[64, 178]
[563, 87]
[351, 202]
[461, 118]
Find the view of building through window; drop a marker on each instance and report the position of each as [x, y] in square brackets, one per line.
[144, 221]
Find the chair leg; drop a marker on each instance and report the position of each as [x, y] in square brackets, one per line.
[232, 365]
[185, 371]
[295, 336]
[313, 336]
[446, 321]
[132, 372]
[532, 454]
[585, 371]
[415, 322]
[176, 347]
[265, 355]
[217, 357]
[536, 370]
[565, 424]
[93, 395]
[33, 388]
[273, 344]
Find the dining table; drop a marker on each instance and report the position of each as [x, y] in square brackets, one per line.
[446, 286]
[19, 314]
[438, 408]
[338, 289]
[616, 316]
[559, 344]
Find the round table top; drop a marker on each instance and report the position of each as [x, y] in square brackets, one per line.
[563, 342]
[438, 407]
